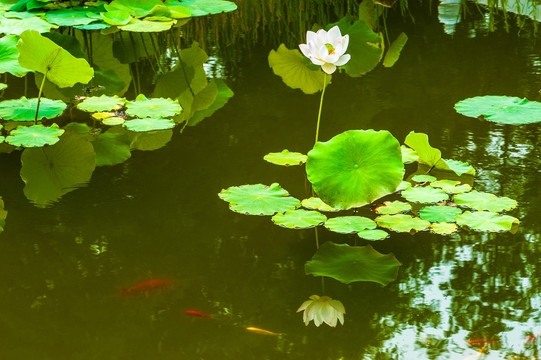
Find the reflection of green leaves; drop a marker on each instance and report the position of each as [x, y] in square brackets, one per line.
[258, 199]
[286, 158]
[424, 195]
[206, 7]
[373, 235]
[148, 141]
[116, 17]
[350, 224]
[485, 201]
[222, 97]
[393, 207]
[408, 155]
[316, 203]
[9, 56]
[439, 213]
[141, 26]
[353, 263]
[3, 215]
[137, 8]
[486, 221]
[34, 136]
[299, 219]
[501, 109]
[149, 124]
[393, 53]
[154, 107]
[289, 65]
[402, 223]
[101, 103]
[355, 168]
[24, 109]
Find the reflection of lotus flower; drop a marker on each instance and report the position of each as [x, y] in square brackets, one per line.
[326, 48]
[322, 309]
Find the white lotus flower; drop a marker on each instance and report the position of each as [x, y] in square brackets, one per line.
[326, 48]
[322, 309]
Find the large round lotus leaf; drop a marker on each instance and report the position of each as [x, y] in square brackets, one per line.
[38, 53]
[443, 228]
[419, 142]
[34, 136]
[18, 26]
[315, 203]
[424, 195]
[24, 109]
[3, 215]
[138, 8]
[140, 26]
[402, 223]
[154, 107]
[355, 168]
[393, 207]
[439, 213]
[116, 17]
[101, 103]
[373, 235]
[68, 17]
[408, 155]
[423, 178]
[299, 219]
[285, 158]
[486, 221]
[206, 7]
[149, 124]
[350, 224]
[9, 56]
[501, 109]
[289, 65]
[258, 199]
[451, 186]
[353, 263]
[485, 201]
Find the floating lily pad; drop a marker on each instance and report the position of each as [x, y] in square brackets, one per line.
[451, 186]
[373, 235]
[206, 7]
[439, 213]
[424, 195]
[485, 201]
[18, 26]
[458, 167]
[116, 17]
[9, 56]
[299, 219]
[403, 185]
[101, 103]
[408, 155]
[137, 8]
[154, 107]
[402, 223]
[443, 228]
[423, 178]
[24, 109]
[355, 168]
[501, 109]
[147, 26]
[486, 221]
[315, 203]
[68, 17]
[258, 199]
[34, 136]
[114, 120]
[149, 124]
[350, 224]
[98, 25]
[348, 264]
[102, 115]
[393, 207]
[286, 158]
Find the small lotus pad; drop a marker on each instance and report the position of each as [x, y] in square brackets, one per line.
[315, 203]
[439, 213]
[424, 195]
[35, 136]
[373, 235]
[443, 228]
[486, 221]
[149, 124]
[286, 158]
[101, 103]
[451, 186]
[258, 199]
[154, 107]
[402, 223]
[350, 224]
[299, 219]
[393, 207]
[485, 201]
[423, 178]
[24, 109]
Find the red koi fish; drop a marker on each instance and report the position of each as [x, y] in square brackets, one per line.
[197, 313]
[146, 286]
[531, 338]
[482, 341]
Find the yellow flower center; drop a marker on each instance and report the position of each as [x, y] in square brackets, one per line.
[330, 48]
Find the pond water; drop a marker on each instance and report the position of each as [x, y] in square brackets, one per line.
[158, 216]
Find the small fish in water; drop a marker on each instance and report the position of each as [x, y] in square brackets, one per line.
[197, 313]
[261, 331]
[93, 89]
[482, 341]
[146, 286]
[531, 338]
[478, 355]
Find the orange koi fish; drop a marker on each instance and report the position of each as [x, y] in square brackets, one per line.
[261, 331]
[197, 313]
[146, 286]
[482, 341]
[478, 355]
[531, 338]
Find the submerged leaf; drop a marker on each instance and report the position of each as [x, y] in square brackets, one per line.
[258, 199]
[206, 7]
[486, 221]
[299, 219]
[501, 109]
[393, 53]
[485, 201]
[286, 158]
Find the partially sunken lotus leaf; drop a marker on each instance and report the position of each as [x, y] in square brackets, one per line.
[149, 141]
[355, 168]
[299, 219]
[393, 207]
[373, 235]
[393, 53]
[486, 221]
[315, 203]
[443, 228]
[408, 155]
[137, 8]
[419, 142]
[101, 103]
[439, 213]
[403, 185]
[116, 17]
[451, 186]
[424, 195]
[458, 167]
[350, 224]
[24, 109]
[402, 223]
[222, 97]
[348, 264]
[149, 124]
[9, 56]
[423, 178]
[34, 136]
[153, 107]
[258, 199]
[285, 158]
[485, 201]
[501, 109]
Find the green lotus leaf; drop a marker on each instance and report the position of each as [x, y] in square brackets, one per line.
[315, 203]
[458, 167]
[355, 168]
[403, 185]
[501, 109]
[423, 178]
[439, 213]
[3, 215]
[140, 26]
[9, 56]
[443, 228]
[408, 155]
[373, 235]
[3, 86]
[348, 264]
[486, 221]
[50, 172]
[68, 17]
[38, 53]
[113, 120]
[424, 195]
[393, 53]
[393, 207]
[24, 109]
[451, 186]
[485, 201]
[222, 97]
[116, 17]
[18, 26]
[206, 7]
[149, 141]
[149, 124]
[101, 103]
[402, 223]
[286, 158]
[154, 107]
[98, 25]
[299, 219]
[258, 199]
[419, 142]
[350, 224]
[137, 8]
[34, 136]
[289, 65]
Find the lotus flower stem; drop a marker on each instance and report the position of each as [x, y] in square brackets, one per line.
[321, 105]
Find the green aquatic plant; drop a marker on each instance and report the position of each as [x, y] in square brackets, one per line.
[501, 109]
[35, 135]
[3, 215]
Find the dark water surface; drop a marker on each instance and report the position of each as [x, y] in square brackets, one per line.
[158, 216]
